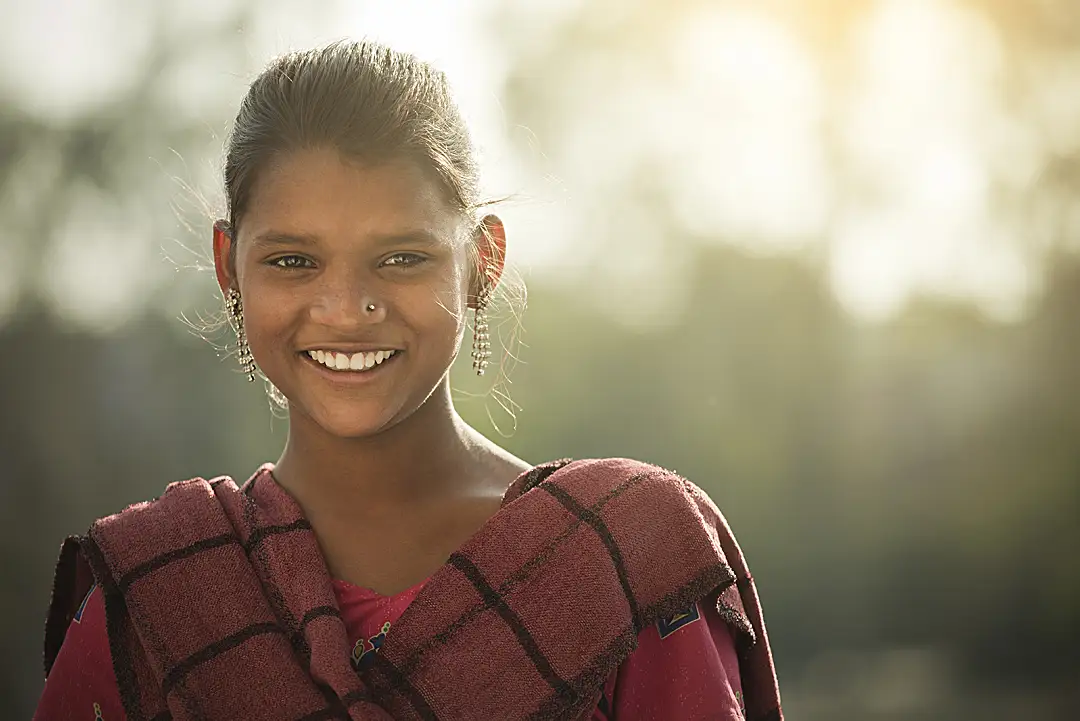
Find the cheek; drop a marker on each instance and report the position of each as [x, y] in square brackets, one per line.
[267, 322]
[439, 311]
[261, 326]
[443, 300]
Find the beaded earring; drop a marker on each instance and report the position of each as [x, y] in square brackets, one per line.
[234, 306]
[481, 348]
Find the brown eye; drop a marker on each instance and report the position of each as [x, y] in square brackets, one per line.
[290, 262]
[404, 260]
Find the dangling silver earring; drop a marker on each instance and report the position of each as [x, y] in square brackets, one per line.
[235, 308]
[481, 346]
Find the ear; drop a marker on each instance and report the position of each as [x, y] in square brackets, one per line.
[490, 240]
[223, 263]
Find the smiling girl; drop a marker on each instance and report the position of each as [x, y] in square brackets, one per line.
[393, 562]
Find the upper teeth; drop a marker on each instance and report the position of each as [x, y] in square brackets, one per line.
[354, 362]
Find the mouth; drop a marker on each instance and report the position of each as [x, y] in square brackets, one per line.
[351, 367]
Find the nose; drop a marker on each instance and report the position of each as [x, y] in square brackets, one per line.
[347, 302]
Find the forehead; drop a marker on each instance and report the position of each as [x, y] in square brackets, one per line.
[319, 192]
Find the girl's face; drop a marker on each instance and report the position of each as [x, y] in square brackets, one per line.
[322, 240]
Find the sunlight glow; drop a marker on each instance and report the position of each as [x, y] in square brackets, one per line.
[921, 135]
[724, 127]
[92, 53]
[750, 108]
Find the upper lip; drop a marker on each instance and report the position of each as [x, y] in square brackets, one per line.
[351, 348]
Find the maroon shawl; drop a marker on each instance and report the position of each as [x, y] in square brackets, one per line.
[219, 605]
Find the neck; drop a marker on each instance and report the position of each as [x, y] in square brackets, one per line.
[427, 458]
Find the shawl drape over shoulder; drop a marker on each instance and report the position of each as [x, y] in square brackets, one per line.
[219, 605]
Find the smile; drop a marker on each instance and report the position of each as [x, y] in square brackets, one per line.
[351, 362]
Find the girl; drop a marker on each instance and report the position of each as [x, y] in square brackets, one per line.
[393, 563]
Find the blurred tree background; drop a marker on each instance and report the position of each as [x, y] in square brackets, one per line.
[820, 257]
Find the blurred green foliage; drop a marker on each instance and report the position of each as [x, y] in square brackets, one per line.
[907, 493]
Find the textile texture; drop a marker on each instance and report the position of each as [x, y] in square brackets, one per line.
[219, 605]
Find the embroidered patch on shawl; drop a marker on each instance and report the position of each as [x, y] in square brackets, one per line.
[364, 650]
[673, 623]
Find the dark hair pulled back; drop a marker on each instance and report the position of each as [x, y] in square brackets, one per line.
[362, 98]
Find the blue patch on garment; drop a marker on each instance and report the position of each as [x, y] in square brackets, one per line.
[77, 618]
[673, 623]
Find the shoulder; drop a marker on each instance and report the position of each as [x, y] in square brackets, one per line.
[630, 470]
[187, 512]
[189, 490]
[179, 513]
[173, 491]
[181, 502]
[629, 480]
[652, 514]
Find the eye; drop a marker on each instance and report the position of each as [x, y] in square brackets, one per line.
[404, 260]
[290, 262]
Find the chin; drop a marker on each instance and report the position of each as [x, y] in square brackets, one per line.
[354, 430]
[351, 407]
[352, 421]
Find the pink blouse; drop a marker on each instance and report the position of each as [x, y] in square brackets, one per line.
[684, 667]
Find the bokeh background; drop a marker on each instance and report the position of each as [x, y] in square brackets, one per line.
[819, 256]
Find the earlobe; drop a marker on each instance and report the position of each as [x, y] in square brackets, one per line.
[223, 259]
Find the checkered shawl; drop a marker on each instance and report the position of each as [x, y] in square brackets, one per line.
[219, 605]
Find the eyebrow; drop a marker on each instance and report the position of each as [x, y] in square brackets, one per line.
[272, 238]
[417, 237]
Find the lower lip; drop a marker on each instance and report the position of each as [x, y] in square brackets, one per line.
[351, 378]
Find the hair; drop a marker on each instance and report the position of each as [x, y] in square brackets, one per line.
[362, 98]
